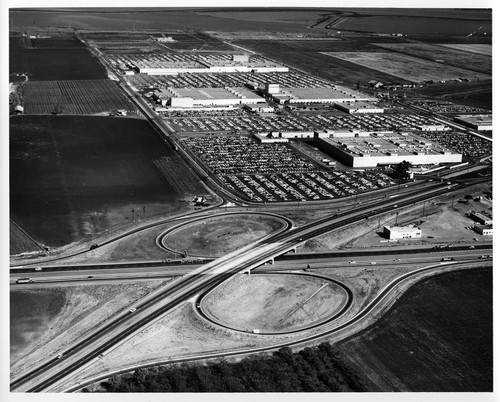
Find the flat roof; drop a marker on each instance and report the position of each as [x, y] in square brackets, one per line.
[388, 144]
[476, 119]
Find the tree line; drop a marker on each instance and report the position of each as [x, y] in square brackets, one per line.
[318, 369]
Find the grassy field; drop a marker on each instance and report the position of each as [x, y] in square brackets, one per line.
[56, 64]
[483, 49]
[306, 56]
[214, 237]
[73, 177]
[74, 97]
[32, 313]
[437, 338]
[443, 54]
[407, 67]
[274, 303]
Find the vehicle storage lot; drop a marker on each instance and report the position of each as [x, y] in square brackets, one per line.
[319, 185]
[465, 143]
[247, 123]
[274, 172]
[369, 122]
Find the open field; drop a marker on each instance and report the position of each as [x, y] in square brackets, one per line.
[448, 56]
[214, 237]
[437, 338]
[307, 56]
[405, 23]
[73, 177]
[74, 97]
[407, 67]
[50, 64]
[274, 303]
[476, 48]
[43, 321]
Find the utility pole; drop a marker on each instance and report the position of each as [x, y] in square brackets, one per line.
[133, 215]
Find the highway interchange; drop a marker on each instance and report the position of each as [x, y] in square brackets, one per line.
[190, 280]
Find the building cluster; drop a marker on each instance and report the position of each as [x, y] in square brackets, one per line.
[484, 225]
[480, 122]
[368, 150]
[177, 63]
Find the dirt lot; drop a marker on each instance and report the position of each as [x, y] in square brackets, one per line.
[217, 236]
[273, 303]
[440, 223]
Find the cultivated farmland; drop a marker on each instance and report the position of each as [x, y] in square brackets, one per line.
[479, 48]
[407, 67]
[73, 177]
[437, 338]
[56, 64]
[74, 97]
[441, 54]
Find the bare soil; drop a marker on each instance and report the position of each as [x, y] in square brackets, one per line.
[273, 303]
[214, 237]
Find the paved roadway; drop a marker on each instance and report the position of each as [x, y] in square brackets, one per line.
[249, 257]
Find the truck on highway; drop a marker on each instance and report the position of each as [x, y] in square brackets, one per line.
[25, 280]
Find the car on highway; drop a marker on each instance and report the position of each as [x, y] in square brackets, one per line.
[59, 356]
[90, 277]
[397, 259]
[133, 309]
[352, 262]
[373, 263]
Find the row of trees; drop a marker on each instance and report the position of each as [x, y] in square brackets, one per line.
[319, 369]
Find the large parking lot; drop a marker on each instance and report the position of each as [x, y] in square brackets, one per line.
[369, 122]
[319, 185]
[242, 155]
[275, 172]
[467, 144]
[248, 123]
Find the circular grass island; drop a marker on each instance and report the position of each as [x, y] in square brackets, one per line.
[275, 303]
[222, 234]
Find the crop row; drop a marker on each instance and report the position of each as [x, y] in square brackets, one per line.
[74, 97]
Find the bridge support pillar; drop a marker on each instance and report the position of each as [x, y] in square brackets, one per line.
[271, 261]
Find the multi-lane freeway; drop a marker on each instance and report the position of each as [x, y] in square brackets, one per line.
[127, 324]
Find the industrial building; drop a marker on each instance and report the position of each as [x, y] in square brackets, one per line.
[358, 107]
[361, 151]
[402, 232]
[481, 218]
[314, 95]
[481, 122]
[484, 230]
[202, 97]
[168, 64]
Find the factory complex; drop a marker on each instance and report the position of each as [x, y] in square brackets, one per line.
[176, 63]
[480, 122]
[373, 149]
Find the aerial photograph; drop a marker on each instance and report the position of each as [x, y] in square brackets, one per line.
[249, 199]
